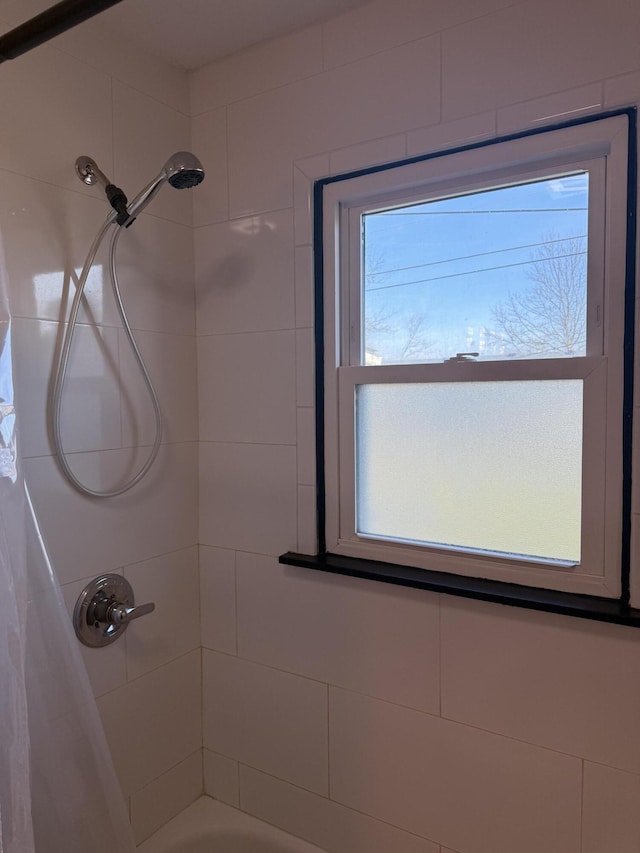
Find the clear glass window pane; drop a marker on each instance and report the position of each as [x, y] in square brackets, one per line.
[487, 466]
[501, 273]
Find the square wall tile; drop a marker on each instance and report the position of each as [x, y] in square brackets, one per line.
[154, 723]
[362, 635]
[452, 784]
[247, 387]
[221, 778]
[218, 599]
[266, 719]
[171, 581]
[244, 275]
[332, 827]
[248, 497]
[568, 684]
[165, 797]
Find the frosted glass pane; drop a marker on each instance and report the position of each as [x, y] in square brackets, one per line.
[501, 273]
[489, 466]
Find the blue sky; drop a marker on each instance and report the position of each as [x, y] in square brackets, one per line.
[456, 258]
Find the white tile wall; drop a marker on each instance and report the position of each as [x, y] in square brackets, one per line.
[171, 362]
[266, 66]
[368, 99]
[329, 628]
[156, 274]
[374, 27]
[321, 821]
[218, 596]
[154, 722]
[90, 414]
[146, 134]
[166, 796]
[244, 275]
[248, 395]
[69, 104]
[248, 497]
[271, 719]
[563, 683]
[531, 696]
[209, 136]
[173, 629]
[149, 521]
[535, 37]
[450, 783]
[221, 778]
[610, 810]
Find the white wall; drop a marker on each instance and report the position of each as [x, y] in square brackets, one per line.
[364, 717]
[85, 94]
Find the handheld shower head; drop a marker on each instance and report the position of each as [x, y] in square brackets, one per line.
[182, 171]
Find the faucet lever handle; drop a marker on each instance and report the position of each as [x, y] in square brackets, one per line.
[120, 614]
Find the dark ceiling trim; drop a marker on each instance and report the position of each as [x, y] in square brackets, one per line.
[59, 18]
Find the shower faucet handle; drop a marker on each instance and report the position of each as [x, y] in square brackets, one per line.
[120, 614]
[105, 608]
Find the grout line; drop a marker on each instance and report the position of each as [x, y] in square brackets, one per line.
[235, 601]
[581, 830]
[328, 742]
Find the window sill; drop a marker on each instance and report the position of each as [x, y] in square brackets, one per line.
[565, 603]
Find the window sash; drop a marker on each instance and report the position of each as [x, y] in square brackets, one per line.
[589, 576]
[352, 275]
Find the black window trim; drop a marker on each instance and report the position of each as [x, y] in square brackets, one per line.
[616, 611]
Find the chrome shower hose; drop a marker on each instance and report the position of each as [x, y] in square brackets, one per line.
[63, 364]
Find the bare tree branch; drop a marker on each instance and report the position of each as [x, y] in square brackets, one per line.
[550, 316]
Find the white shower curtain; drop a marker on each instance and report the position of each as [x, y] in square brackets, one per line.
[58, 789]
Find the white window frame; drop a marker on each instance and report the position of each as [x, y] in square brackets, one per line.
[602, 147]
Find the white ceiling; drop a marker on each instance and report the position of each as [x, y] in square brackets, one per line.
[191, 33]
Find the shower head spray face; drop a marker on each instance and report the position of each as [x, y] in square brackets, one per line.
[184, 170]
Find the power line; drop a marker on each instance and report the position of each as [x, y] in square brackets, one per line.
[476, 212]
[472, 272]
[477, 255]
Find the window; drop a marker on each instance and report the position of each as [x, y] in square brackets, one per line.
[475, 361]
